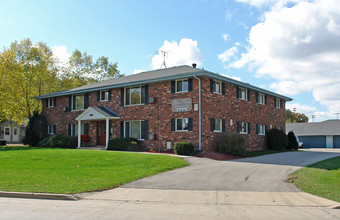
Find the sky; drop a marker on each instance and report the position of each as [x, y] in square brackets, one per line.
[291, 47]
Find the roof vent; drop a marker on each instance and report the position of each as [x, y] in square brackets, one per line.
[194, 65]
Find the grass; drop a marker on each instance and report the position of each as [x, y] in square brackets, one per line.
[321, 179]
[27, 169]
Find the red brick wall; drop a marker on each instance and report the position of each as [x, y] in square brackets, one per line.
[213, 106]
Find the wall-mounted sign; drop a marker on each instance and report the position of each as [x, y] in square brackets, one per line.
[182, 105]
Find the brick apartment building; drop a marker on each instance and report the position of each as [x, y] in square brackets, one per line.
[165, 106]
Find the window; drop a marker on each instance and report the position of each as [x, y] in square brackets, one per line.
[242, 94]
[78, 102]
[243, 128]
[278, 127]
[218, 125]
[261, 99]
[277, 103]
[51, 102]
[182, 85]
[135, 95]
[73, 129]
[261, 129]
[7, 131]
[217, 87]
[135, 129]
[104, 95]
[182, 124]
[51, 129]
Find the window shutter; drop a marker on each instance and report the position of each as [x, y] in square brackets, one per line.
[86, 128]
[266, 128]
[223, 125]
[146, 94]
[257, 98]
[73, 102]
[248, 128]
[122, 129]
[212, 124]
[281, 102]
[190, 128]
[248, 95]
[98, 96]
[190, 85]
[70, 103]
[172, 124]
[73, 130]
[238, 128]
[274, 102]
[122, 97]
[223, 88]
[211, 85]
[173, 87]
[47, 102]
[69, 130]
[86, 100]
[54, 129]
[109, 98]
[55, 101]
[237, 92]
[145, 133]
[257, 128]
[265, 99]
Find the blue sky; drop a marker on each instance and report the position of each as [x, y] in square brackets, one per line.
[287, 46]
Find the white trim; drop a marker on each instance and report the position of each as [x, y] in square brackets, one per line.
[49, 102]
[76, 102]
[220, 86]
[247, 129]
[106, 95]
[263, 129]
[182, 125]
[277, 103]
[79, 133]
[240, 93]
[86, 115]
[182, 80]
[130, 95]
[107, 132]
[220, 122]
[259, 99]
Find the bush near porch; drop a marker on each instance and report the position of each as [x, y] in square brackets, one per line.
[29, 169]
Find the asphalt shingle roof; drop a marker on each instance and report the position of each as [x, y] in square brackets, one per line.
[330, 127]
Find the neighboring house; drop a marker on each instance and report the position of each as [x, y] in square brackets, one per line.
[324, 134]
[165, 106]
[11, 132]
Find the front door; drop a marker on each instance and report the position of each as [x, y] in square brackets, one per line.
[102, 133]
[16, 134]
[7, 133]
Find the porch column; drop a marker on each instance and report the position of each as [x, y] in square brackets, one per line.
[79, 134]
[107, 132]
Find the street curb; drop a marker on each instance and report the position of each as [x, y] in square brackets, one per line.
[38, 195]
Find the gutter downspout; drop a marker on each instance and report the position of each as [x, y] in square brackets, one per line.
[199, 113]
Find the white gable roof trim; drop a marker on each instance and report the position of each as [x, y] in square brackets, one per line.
[97, 113]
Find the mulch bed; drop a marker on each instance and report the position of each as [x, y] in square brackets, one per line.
[218, 156]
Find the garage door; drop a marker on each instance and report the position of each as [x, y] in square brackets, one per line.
[336, 141]
[313, 141]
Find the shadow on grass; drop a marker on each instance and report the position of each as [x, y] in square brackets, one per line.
[12, 148]
[329, 164]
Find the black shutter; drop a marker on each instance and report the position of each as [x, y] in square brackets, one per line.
[238, 127]
[172, 121]
[55, 101]
[237, 92]
[73, 130]
[190, 85]
[211, 85]
[47, 102]
[223, 88]
[69, 130]
[190, 128]
[281, 103]
[146, 128]
[257, 97]
[248, 94]
[266, 128]
[98, 96]
[122, 129]
[109, 94]
[257, 128]
[223, 125]
[265, 99]
[86, 128]
[54, 129]
[274, 102]
[86, 101]
[122, 97]
[212, 124]
[74, 102]
[70, 103]
[173, 87]
[146, 94]
[248, 128]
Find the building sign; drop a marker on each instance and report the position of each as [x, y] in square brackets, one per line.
[182, 105]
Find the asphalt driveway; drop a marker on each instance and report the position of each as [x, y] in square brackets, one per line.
[258, 174]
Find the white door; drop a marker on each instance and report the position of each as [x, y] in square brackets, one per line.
[16, 134]
[7, 133]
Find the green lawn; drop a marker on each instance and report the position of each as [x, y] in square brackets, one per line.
[321, 179]
[26, 169]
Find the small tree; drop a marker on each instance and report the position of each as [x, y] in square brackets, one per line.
[277, 139]
[36, 129]
[292, 142]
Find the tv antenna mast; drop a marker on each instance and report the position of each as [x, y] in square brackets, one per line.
[165, 55]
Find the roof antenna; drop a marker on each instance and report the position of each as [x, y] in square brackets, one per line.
[165, 55]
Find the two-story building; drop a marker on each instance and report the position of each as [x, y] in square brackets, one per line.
[165, 106]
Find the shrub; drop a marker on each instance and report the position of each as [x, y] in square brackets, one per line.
[36, 129]
[57, 141]
[277, 139]
[184, 148]
[123, 144]
[292, 142]
[232, 144]
[72, 142]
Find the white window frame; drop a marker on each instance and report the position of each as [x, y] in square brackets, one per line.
[277, 103]
[125, 96]
[182, 80]
[183, 124]
[245, 94]
[219, 83]
[218, 122]
[8, 129]
[244, 125]
[51, 102]
[130, 130]
[261, 129]
[50, 129]
[279, 128]
[106, 96]
[261, 98]
[76, 106]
